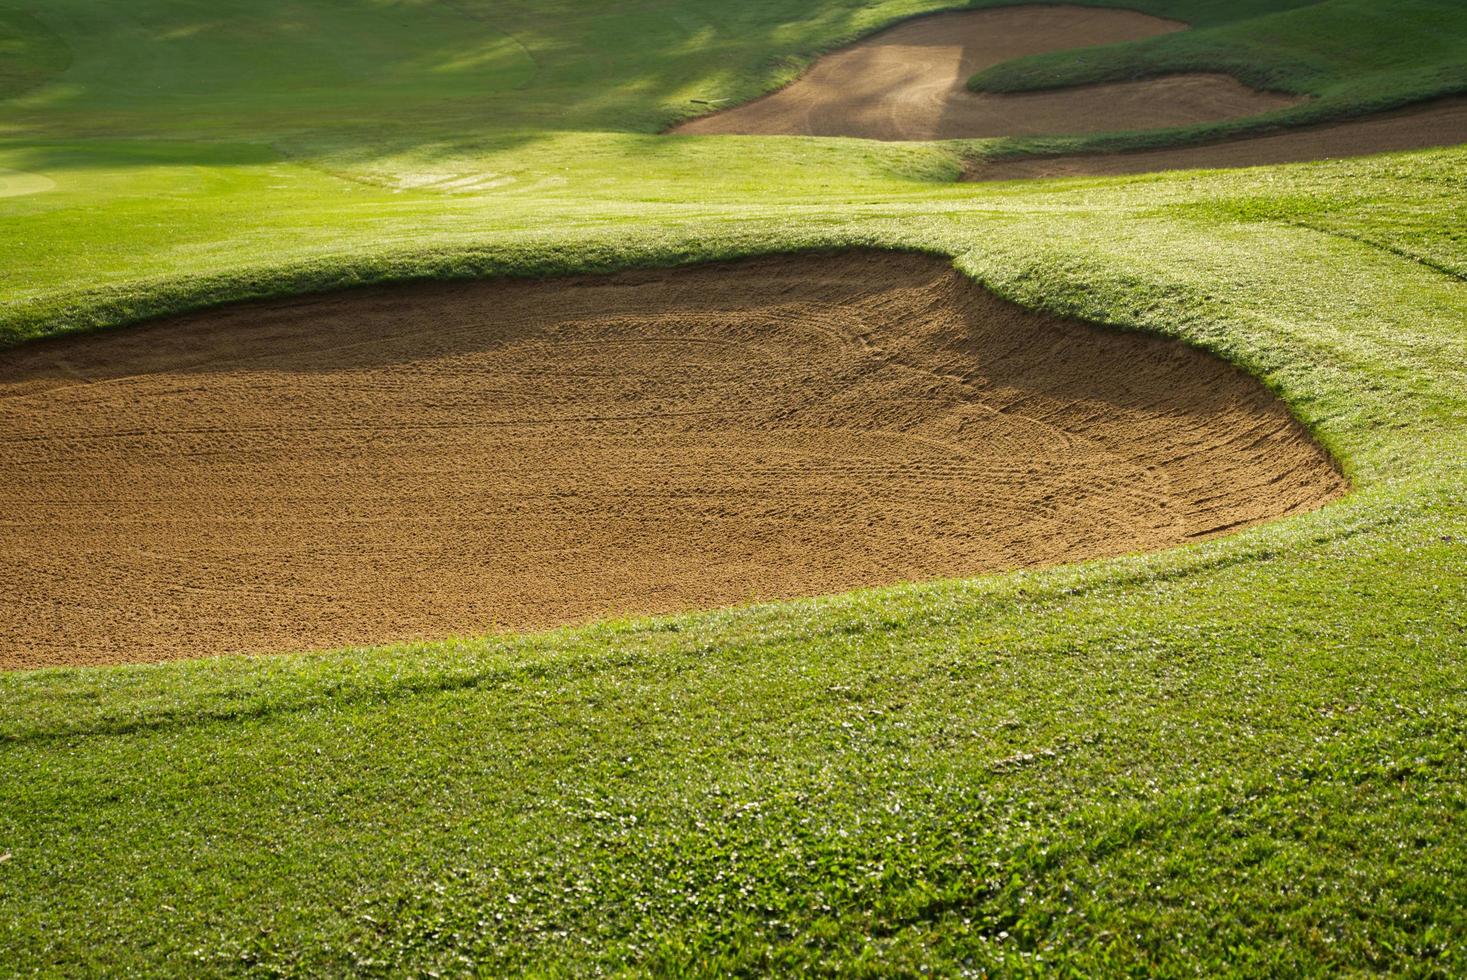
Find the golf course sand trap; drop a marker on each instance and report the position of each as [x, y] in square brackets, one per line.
[1440, 123]
[446, 459]
[18, 183]
[910, 83]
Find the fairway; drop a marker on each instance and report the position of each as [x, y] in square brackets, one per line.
[860, 488]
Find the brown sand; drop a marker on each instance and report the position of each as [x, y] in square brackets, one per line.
[1440, 123]
[909, 83]
[444, 459]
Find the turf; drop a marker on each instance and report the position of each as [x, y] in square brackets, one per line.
[192, 140]
[1245, 756]
[1349, 56]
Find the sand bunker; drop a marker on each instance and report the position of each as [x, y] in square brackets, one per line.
[1440, 123]
[445, 459]
[910, 83]
[18, 183]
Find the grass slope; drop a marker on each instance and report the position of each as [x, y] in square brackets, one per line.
[30, 55]
[1351, 56]
[191, 140]
[1245, 756]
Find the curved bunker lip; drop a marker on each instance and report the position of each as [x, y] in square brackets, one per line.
[446, 459]
[1441, 122]
[909, 82]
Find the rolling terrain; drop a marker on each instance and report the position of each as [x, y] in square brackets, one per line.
[1239, 755]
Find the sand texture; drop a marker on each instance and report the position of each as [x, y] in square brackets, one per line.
[910, 83]
[444, 459]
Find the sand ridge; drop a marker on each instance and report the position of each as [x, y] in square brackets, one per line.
[447, 459]
[1442, 122]
[909, 82]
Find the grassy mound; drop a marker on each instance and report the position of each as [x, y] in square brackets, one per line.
[1244, 755]
[203, 152]
[1350, 56]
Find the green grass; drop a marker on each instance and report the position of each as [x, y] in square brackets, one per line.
[1345, 50]
[192, 140]
[1349, 56]
[1245, 756]
[30, 55]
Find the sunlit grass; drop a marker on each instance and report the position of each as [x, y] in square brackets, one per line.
[1244, 756]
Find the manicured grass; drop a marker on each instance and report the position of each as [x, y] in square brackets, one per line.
[191, 139]
[1343, 50]
[30, 54]
[1350, 56]
[1244, 756]
[1349, 50]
